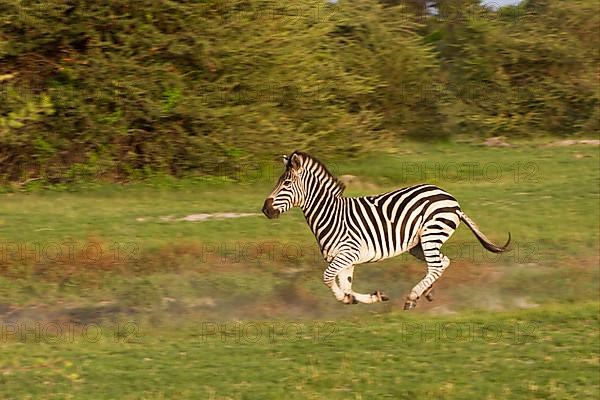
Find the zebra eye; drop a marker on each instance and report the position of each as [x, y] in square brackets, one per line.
[287, 182]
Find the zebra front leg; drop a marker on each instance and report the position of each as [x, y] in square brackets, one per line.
[344, 292]
[345, 281]
[339, 279]
[329, 278]
[337, 292]
[345, 278]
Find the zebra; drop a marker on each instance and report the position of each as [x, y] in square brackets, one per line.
[356, 230]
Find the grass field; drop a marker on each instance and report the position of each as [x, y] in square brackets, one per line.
[550, 353]
[120, 258]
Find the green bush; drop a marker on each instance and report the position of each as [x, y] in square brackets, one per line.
[128, 90]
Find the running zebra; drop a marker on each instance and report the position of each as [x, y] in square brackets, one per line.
[356, 230]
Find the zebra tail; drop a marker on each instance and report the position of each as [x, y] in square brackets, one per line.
[485, 242]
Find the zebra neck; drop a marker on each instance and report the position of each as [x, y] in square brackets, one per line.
[320, 209]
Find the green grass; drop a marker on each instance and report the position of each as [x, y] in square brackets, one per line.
[550, 353]
[168, 277]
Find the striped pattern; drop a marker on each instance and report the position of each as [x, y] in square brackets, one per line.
[355, 230]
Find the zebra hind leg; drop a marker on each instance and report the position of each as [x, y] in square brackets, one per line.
[429, 293]
[431, 241]
[436, 264]
[417, 252]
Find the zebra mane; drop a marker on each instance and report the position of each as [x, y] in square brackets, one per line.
[339, 185]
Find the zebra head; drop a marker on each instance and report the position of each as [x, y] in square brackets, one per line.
[289, 190]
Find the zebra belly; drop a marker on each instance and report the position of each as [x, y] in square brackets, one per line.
[370, 253]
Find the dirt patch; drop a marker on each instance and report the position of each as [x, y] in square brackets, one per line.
[197, 217]
[571, 142]
[354, 182]
[204, 217]
[497, 141]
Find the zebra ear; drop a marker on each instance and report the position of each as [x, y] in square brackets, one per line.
[285, 160]
[295, 161]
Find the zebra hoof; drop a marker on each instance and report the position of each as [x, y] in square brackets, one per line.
[429, 295]
[349, 299]
[410, 304]
[380, 296]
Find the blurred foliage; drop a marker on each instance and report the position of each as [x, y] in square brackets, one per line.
[130, 89]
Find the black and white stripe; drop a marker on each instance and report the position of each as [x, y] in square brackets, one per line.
[355, 230]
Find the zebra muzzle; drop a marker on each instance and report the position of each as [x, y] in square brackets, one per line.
[269, 210]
